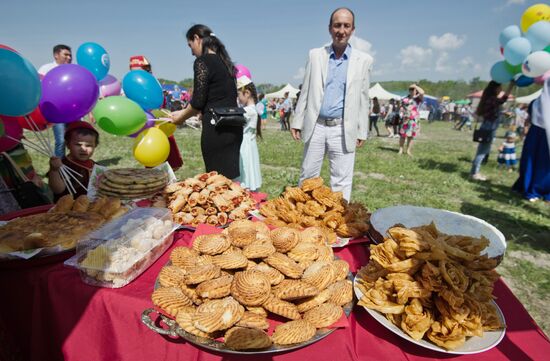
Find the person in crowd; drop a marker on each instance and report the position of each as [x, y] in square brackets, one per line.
[466, 115]
[507, 152]
[261, 108]
[62, 54]
[81, 139]
[175, 160]
[520, 116]
[374, 115]
[327, 124]
[388, 120]
[488, 111]
[251, 176]
[213, 86]
[286, 111]
[534, 167]
[411, 117]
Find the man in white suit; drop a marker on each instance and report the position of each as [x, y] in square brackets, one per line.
[332, 113]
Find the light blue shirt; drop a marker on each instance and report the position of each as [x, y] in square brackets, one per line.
[335, 85]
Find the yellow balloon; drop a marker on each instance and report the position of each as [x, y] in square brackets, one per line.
[533, 14]
[151, 147]
[167, 128]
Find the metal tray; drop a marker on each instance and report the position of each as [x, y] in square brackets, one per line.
[174, 330]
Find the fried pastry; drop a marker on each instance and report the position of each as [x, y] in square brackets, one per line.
[303, 252]
[64, 204]
[242, 235]
[257, 310]
[341, 292]
[253, 320]
[171, 300]
[293, 332]
[323, 315]
[244, 338]
[184, 257]
[275, 277]
[211, 244]
[81, 204]
[281, 308]
[232, 260]
[313, 235]
[324, 253]
[311, 183]
[307, 304]
[258, 250]
[198, 274]
[285, 265]
[251, 288]
[185, 321]
[217, 315]
[190, 292]
[341, 269]
[320, 274]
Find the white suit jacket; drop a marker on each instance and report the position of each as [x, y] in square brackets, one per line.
[356, 100]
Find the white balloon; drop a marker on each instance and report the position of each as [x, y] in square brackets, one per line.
[536, 64]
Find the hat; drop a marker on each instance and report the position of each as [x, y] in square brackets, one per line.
[139, 62]
[243, 81]
[510, 134]
[78, 125]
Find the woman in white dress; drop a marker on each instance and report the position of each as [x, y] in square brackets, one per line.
[251, 176]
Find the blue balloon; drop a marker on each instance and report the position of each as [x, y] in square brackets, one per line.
[539, 35]
[509, 33]
[143, 88]
[523, 81]
[516, 50]
[20, 88]
[500, 73]
[94, 57]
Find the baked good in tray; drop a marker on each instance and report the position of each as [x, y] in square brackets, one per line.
[132, 183]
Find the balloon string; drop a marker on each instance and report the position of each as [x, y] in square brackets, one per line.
[66, 169]
[43, 143]
[65, 178]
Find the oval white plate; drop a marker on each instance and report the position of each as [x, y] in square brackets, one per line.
[447, 222]
[472, 345]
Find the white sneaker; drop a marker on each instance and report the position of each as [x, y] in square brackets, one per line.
[479, 177]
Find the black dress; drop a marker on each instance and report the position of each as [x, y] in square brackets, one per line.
[215, 87]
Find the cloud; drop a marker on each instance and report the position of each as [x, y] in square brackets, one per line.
[362, 45]
[447, 41]
[300, 74]
[442, 64]
[415, 56]
[509, 3]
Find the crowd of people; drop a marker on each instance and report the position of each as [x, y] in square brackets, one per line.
[327, 125]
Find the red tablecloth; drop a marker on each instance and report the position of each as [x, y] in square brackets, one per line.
[53, 315]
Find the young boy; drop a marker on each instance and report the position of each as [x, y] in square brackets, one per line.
[81, 139]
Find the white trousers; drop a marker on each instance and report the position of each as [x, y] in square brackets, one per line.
[330, 141]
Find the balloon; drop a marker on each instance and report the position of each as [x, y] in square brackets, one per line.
[547, 49]
[539, 35]
[536, 64]
[19, 84]
[166, 127]
[534, 14]
[541, 79]
[2, 46]
[69, 93]
[513, 69]
[148, 124]
[119, 115]
[242, 70]
[13, 130]
[36, 116]
[509, 33]
[523, 81]
[109, 86]
[499, 73]
[143, 88]
[516, 50]
[94, 57]
[151, 147]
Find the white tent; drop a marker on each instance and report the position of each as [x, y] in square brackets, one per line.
[529, 98]
[382, 94]
[292, 91]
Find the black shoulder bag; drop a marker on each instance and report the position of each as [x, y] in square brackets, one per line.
[482, 135]
[228, 116]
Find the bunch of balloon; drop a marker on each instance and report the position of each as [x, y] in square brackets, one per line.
[109, 86]
[143, 88]
[11, 134]
[526, 48]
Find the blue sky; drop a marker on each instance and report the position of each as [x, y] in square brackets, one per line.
[445, 39]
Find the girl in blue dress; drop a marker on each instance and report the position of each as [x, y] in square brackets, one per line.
[507, 152]
[251, 176]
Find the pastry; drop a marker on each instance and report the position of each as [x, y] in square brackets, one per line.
[324, 315]
[244, 338]
[293, 332]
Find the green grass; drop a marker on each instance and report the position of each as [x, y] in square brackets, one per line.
[436, 176]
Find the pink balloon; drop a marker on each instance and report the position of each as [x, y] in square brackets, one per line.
[109, 86]
[541, 79]
[14, 130]
[242, 70]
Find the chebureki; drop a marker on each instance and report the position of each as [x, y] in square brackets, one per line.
[315, 205]
[208, 198]
[236, 298]
[67, 222]
[432, 285]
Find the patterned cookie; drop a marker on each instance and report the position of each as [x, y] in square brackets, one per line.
[325, 253]
[250, 288]
[200, 274]
[170, 276]
[294, 289]
[185, 320]
[285, 238]
[258, 250]
[190, 292]
[230, 261]
[341, 269]
[303, 252]
[341, 292]
[217, 288]
[257, 310]
[313, 235]
[293, 332]
[307, 304]
[217, 315]
[275, 277]
[324, 315]
[281, 308]
[171, 300]
[242, 235]
[320, 274]
[285, 264]
[243, 338]
[211, 244]
[253, 320]
[184, 257]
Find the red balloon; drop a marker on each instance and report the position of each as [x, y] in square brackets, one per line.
[13, 130]
[38, 119]
[501, 50]
[2, 46]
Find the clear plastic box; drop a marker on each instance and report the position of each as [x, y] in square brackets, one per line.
[122, 249]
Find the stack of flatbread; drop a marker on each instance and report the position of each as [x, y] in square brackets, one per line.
[132, 183]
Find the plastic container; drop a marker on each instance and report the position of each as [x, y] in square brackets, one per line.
[122, 249]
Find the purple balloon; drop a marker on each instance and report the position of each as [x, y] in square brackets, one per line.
[69, 92]
[109, 86]
[148, 124]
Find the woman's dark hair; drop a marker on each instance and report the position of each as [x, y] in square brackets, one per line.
[490, 92]
[210, 41]
[254, 93]
[375, 105]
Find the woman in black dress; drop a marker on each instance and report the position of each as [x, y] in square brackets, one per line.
[214, 86]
